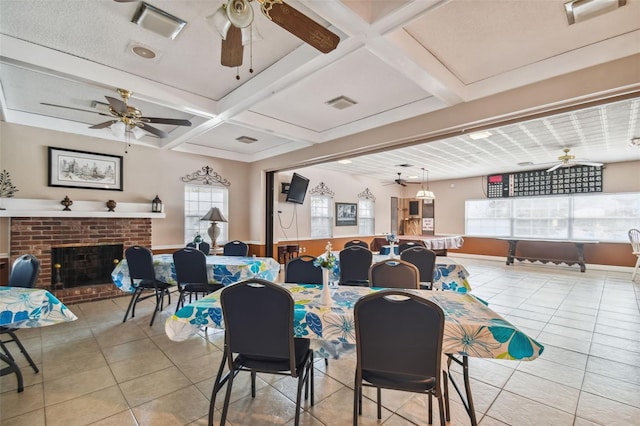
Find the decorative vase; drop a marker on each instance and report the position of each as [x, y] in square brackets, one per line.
[111, 205]
[392, 250]
[326, 291]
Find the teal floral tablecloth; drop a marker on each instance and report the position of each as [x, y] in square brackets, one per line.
[471, 327]
[31, 307]
[448, 274]
[220, 270]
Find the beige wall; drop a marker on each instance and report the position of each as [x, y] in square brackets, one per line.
[147, 172]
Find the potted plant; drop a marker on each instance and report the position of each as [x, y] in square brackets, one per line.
[7, 189]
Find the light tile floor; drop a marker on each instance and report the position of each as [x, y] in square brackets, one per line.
[100, 371]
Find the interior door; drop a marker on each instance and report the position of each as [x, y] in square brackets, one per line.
[394, 215]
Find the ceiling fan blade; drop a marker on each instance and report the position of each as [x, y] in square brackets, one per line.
[557, 166]
[159, 133]
[302, 27]
[103, 125]
[117, 105]
[232, 49]
[172, 121]
[66, 107]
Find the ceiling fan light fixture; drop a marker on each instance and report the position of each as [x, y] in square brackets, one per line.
[250, 34]
[118, 128]
[240, 13]
[158, 21]
[341, 102]
[138, 132]
[581, 10]
[634, 142]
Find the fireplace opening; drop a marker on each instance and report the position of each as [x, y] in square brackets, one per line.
[83, 265]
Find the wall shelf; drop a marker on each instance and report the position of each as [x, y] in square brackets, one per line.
[23, 207]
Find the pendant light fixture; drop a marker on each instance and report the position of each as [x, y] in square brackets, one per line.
[425, 194]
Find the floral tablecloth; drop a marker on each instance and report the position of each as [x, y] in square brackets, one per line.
[471, 327]
[220, 270]
[31, 307]
[448, 274]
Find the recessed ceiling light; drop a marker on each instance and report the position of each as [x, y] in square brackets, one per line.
[480, 135]
[634, 142]
[246, 139]
[143, 52]
[341, 102]
[158, 21]
[345, 161]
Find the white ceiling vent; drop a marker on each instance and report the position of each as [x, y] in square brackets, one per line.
[246, 139]
[341, 102]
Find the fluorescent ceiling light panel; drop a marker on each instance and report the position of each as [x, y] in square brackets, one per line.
[345, 161]
[158, 21]
[480, 135]
[581, 10]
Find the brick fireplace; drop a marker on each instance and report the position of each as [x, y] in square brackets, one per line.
[38, 235]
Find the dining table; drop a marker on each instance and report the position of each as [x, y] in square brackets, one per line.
[447, 275]
[220, 270]
[472, 328]
[22, 307]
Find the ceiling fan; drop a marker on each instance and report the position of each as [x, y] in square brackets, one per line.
[402, 182]
[234, 18]
[568, 160]
[129, 118]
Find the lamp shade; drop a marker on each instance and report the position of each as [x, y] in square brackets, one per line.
[425, 194]
[214, 215]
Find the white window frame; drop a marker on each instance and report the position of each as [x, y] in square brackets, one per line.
[197, 204]
[366, 216]
[321, 216]
[605, 217]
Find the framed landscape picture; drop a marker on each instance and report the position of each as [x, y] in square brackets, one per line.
[346, 214]
[69, 168]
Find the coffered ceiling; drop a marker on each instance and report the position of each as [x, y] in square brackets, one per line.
[397, 59]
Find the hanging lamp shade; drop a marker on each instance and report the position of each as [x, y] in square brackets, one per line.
[425, 194]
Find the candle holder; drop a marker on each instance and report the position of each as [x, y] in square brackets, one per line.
[66, 203]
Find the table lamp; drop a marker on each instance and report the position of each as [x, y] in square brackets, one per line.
[214, 215]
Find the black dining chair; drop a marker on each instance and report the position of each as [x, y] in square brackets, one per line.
[235, 248]
[301, 270]
[24, 273]
[204, 247]
[258, 320]
[393, 355]
[355, 262]
[425, 260]
[394, 274]
[191, 274]
[143, 277]
[356, 243]
[407, 245]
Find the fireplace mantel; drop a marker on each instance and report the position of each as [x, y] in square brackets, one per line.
[24, 207]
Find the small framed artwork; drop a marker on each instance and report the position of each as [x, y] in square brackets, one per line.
[69, 168]
[346, 214]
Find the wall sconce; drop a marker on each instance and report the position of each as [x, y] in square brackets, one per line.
[156, 205]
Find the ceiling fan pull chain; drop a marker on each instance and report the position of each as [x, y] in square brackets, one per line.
[251, 49]
[237, 73]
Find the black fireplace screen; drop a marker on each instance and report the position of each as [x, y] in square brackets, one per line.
[83, 265]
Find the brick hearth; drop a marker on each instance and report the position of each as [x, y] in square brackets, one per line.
[36, 235]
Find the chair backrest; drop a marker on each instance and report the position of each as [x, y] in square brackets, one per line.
[634, 237]
[407, 245]
[394, 274]
[24, 271]
[424, 259]
[356, 243]
[191, 266]
[258, 321]
[140, 263]
[204, 247]
[235, 248]
[301, 270]
[399, 332]
[355, 262]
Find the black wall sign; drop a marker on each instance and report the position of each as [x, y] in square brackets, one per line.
[564, 180]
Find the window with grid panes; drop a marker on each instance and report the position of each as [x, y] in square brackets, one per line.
[198, 199]
[321, 216]
[366, 216]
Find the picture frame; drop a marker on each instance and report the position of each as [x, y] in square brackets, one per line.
[346, 214]
[69, 168]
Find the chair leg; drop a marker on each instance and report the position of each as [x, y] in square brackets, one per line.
[253, 384]
[430, 408]
[216, 387]
[379, 394]
[301, 381]
[181, 300]
[635, 271]
[131, 304]
[445, 382]
[357, 408]
[159, 298]
[12, 368]
[441, 410]
[133, 309]
[23, 350]
[227, 398]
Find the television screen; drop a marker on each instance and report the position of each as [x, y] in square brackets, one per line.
[297, 189]
[414, 208]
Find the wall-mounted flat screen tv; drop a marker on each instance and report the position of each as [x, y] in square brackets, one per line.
[297, 189]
